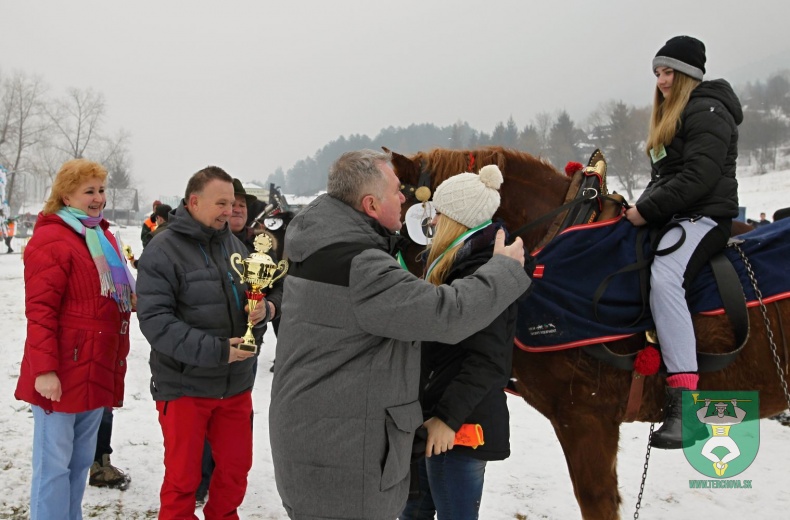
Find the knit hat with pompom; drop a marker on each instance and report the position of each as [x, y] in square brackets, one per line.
[470, 199]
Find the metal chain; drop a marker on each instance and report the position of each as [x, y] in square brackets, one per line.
[774, 352]
[779, 370]
[644, 472]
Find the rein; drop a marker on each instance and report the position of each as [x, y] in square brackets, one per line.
[587, 194]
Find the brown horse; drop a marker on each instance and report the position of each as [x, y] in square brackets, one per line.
[585, 399]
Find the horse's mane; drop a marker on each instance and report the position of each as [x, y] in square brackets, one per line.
[444, 163]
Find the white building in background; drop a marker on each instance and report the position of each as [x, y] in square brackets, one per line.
[259, 191]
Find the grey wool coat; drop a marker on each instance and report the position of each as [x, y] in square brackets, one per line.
[344, 404]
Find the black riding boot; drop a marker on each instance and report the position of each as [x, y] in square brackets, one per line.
[670, 435]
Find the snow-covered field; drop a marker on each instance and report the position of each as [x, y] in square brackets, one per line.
[532, 484]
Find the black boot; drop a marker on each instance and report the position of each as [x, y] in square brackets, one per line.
[670, 435]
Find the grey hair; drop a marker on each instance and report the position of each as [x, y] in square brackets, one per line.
[356, 174]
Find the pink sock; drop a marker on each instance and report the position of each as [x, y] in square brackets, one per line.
[685, 380]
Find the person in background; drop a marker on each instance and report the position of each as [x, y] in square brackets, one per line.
[344, 404]
[692, 197]
[463, 383]
[246, 233]
[161, 215]
[149, 225]
[78, 302]
[763, 221]
[102, 472]
[192, 312]
[238, 218]
[9, 230]
[781, 214]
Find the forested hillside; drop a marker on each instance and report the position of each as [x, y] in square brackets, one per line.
[617, 128]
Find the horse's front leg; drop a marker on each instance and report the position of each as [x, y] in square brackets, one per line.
[590, 443]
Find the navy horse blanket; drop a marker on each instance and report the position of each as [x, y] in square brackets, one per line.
[559, 313]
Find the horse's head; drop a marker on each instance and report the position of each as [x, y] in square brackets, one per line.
[531, 188]
[408, 171]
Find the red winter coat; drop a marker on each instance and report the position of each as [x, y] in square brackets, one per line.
[71, 328]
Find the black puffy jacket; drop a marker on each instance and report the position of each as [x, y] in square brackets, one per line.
[189, 302]
[697, 176]
[465, 383]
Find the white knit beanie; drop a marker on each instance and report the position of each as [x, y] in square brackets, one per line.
[470, 199]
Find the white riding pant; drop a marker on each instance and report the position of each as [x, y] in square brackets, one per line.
[668, 296]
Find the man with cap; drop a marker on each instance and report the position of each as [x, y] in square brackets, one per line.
[238, 218]
[344, 404]
[692, 197]
[245, 233]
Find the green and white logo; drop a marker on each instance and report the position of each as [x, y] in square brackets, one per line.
[721, 431]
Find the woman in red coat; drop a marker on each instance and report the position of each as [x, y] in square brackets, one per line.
[78, 300]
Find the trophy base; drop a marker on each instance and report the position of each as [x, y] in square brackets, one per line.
[247, 348]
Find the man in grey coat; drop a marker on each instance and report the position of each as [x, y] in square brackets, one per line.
[344, 404]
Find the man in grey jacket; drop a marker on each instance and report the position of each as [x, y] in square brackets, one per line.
[344, 405]
[191, 308]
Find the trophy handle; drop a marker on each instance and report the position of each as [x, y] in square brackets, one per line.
[235, 258]
[282, 266]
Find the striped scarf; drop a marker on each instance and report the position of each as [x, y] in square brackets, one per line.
[112, 273]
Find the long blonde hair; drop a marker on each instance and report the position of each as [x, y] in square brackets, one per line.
[446, 231]
[665, 119]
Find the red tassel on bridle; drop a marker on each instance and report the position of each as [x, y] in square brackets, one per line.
[572, 167]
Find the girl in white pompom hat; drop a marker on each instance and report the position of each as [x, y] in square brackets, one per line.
[463, 384]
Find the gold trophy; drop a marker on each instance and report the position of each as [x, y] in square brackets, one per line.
[260, 272]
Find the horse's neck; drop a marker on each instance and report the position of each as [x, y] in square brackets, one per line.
[525, 198]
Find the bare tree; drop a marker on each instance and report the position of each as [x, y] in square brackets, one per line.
[622, 130]
[22, 127]
[78, 118]
[543, 123]
[114, 155]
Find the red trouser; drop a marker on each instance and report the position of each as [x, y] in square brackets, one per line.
[186, 423]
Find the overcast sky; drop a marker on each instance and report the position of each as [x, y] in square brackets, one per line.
[253, 85]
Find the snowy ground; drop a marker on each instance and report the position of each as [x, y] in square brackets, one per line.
[532, 484]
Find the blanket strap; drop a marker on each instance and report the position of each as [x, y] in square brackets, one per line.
[642, 266]
[731, 293]
[634, 397]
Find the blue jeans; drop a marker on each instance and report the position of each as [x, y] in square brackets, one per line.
[456, 482]
[63, 449]
[421, 507]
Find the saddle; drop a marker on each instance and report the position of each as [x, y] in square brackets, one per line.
[589, 205]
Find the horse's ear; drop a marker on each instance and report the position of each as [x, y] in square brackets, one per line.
[406, 169]
[386, 149]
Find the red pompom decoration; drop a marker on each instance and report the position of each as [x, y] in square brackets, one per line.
[572, 167]
[648, 361]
